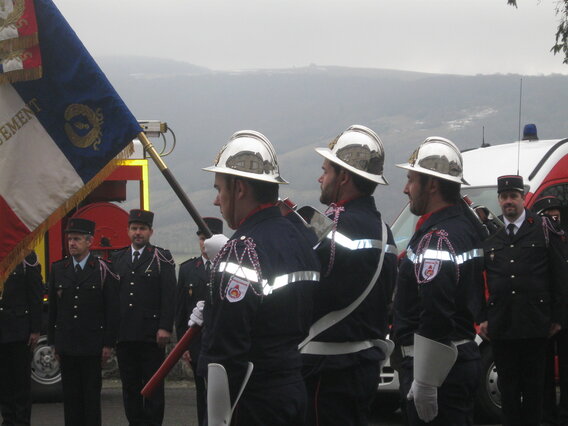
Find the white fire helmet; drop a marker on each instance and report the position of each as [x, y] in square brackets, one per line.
[359, 150]
[248, 154]
[438, 157]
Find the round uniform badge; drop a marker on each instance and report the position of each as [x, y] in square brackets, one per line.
[236, 289]
[430, 269]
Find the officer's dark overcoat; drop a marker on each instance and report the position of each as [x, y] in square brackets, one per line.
[526, 278]
[83, 307]
[21, 302]
[147, 293]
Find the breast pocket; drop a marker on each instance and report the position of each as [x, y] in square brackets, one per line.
[536, 244]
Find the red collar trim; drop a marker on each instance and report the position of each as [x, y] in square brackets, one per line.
[425, 217]
[343, 202]
[256, 210]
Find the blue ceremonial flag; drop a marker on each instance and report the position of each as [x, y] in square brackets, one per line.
[58, 136]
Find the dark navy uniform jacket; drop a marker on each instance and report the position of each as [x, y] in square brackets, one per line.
[439, 292]
[526, 278]
[83, 308]
[261, 310]
[192, 287]
[357, 252]
[147, 293]
[21, 302]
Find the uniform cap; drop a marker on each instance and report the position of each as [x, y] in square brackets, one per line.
[510, 183]
[359, 150]
[80, 226]
[544, 203]
[141, 216]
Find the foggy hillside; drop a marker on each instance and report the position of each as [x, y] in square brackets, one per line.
[301, 108]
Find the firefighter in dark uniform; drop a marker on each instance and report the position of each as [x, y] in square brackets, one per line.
[346, 346]
[439, 293]
[20, 326]
[260, 302]
[193, 283]
[526, 279]
[83, 320]
[147, 308]
[557, 349]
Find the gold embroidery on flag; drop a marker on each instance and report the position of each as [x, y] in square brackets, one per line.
[94, 122]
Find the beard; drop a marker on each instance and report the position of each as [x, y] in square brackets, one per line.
[418, 204]
[327, 195]
[510, 211]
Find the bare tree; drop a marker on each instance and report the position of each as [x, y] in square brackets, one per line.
[561, 44]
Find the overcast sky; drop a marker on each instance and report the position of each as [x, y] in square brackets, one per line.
[439, 36]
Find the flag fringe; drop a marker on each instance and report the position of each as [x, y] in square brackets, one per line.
[21, 75]
[30, 240]
[21, 42]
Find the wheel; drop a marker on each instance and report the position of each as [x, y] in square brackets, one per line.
[46, 373]
[488, 398]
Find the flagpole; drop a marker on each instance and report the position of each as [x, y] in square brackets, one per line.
[148, 147]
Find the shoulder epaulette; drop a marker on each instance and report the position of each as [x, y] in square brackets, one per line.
[189, 260]
[165, 252]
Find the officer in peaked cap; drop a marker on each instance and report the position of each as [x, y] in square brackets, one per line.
[20, 327]
[526, 275]
[83, 320]
[439, 292]
[147, 308]
[556, 352]
[193, 281]
[549, 206]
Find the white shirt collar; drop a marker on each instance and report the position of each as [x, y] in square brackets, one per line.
[517, 222]
[140, 250]
[82, 263]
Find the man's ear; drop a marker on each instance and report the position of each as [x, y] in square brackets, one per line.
[343, 177]
[432, 185]
[240, 189]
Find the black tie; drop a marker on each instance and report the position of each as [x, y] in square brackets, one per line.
[207, 268]
[78, 269]
[511, 230]
[136, 257]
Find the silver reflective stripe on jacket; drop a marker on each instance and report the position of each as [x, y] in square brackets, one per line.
[366, 243]
[239, 271]
[391, 249]
[444, 255]
[276, 283]
[284, 280]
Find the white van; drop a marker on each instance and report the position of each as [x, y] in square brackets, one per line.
[543, 164]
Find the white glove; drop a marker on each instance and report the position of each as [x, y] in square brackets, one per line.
[214, 245]
[425, 400]
[196, 317]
